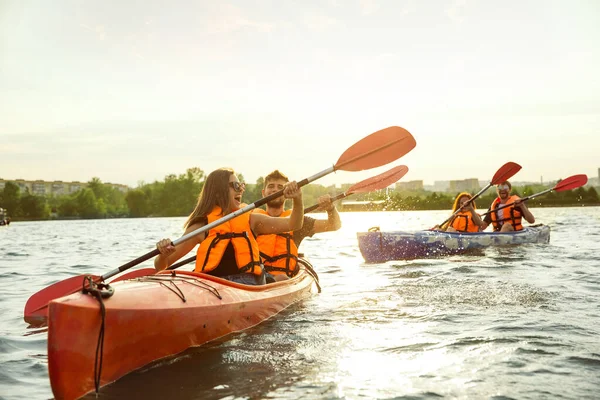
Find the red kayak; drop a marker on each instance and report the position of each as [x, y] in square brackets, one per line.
[149, 318]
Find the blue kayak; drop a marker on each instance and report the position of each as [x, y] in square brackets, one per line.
[377, 246]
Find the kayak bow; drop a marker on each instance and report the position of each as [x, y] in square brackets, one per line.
[150, 318]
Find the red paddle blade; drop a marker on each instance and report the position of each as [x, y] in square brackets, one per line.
[377, 149]
[36, 308]
[572, 182]
[505, 172]
[138, 273]
[380, 181]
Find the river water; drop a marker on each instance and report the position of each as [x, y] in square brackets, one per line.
[513, 322]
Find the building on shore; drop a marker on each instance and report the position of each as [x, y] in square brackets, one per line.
[56, 188]
[440, 186]
[410, 185]
[464, 185]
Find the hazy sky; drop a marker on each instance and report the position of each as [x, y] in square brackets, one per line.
[131, 91]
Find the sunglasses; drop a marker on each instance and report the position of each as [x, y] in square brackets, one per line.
[237, 186]
[503, 187]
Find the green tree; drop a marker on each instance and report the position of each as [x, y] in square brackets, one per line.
[591, 196]
[67, 207]
[96, 186]
[179, 194]
[113, 200]
[34, 207]
[254, 191]
[580, 194]
[87, 204]
[138, 202]
[11, 199]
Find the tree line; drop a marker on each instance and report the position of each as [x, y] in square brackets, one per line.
[177, 195]
[424, 200]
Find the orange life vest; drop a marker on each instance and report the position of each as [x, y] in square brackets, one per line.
[279, 252]
[463, 222]
[510, 214]
[235, 231]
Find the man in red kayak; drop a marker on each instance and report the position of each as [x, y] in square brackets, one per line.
[279, 252]
[507, 219]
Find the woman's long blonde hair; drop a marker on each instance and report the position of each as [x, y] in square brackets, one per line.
[215, 192]
[456, 205]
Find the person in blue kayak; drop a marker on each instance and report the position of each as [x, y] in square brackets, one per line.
[507, 219]
[467, 219]
[280, 251]
[229, 250]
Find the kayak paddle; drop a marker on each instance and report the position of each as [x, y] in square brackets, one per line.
[505, 172]
[378, 182]
[570, 183]
[377, 149]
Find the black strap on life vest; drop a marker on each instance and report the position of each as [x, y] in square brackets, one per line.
[466, 223]
[287, 255]
[286, 270]
[228, 236]
[513, 217]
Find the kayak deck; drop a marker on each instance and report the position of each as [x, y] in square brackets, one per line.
[151, 318]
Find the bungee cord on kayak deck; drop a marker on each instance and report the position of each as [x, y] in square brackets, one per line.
[183, 279]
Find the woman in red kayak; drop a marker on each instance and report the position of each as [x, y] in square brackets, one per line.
[229, 250]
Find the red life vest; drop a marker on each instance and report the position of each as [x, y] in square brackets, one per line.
[510, 214]
[279, 252]
[235, 231]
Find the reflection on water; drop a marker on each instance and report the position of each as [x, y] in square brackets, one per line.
[509, 322]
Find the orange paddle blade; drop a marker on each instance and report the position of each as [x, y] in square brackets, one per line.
[377, 149]
[36, 308]
[505, 172]
[380, 181]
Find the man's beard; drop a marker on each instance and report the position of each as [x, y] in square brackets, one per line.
[276, 203]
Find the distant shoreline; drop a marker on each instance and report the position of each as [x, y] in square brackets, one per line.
[341, 211]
